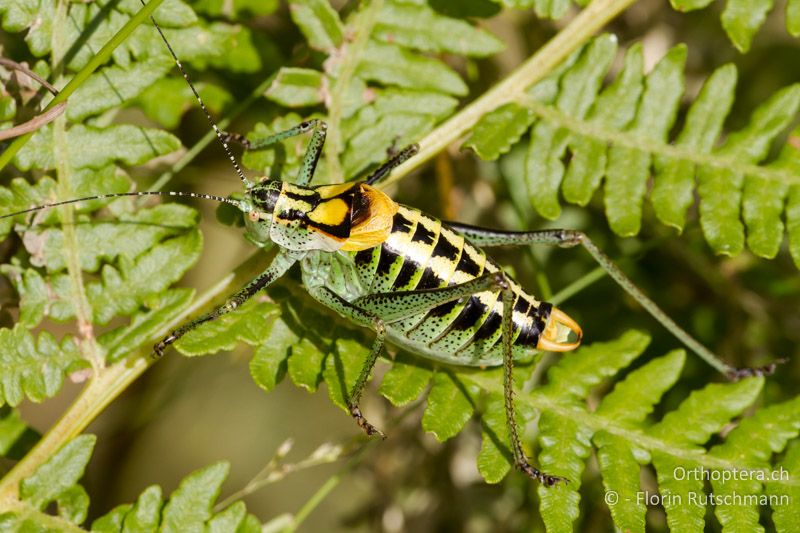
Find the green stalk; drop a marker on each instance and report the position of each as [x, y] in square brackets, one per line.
[99, 59]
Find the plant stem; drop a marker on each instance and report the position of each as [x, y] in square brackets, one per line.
[577, 286]
[102, 56]
[581, 29]
[63, 168]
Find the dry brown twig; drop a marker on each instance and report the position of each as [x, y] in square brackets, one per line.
[39, 120]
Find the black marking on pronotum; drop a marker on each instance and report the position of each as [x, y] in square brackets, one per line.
[341, 231]
[294, 215]
[309, 196]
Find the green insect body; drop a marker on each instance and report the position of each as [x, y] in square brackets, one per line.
[415, 254]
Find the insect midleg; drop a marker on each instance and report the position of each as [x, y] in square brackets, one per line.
[365, 318]
[280, 264]
[569, 238]
[299, 129]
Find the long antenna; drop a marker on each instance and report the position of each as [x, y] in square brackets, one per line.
[213, 124]
[122, 194]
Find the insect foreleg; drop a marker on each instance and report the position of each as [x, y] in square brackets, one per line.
[313, 152]
[568, 238]
[280, 264]
[238, 138]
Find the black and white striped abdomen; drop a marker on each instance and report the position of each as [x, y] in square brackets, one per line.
[422, 253]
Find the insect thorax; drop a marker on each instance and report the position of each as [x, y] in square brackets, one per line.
[348, 216]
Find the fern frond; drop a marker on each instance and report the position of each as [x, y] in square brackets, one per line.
[130, 254]
[617, 430]
[786, 517]
[383, 89]
[554, 10]
[582, 134]
[34, 368]
[625, 440]
[741, 19]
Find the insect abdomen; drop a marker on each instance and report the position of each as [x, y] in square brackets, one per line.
[422, 253]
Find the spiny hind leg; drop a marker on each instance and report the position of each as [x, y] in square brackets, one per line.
[313, 151]
[569, 238]
[520, 459]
